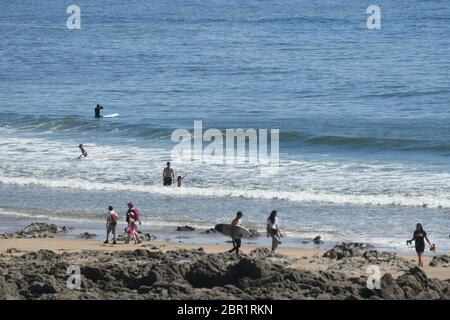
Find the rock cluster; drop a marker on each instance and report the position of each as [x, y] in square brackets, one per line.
[37, 230]
[440, 261]
[348, 250]
[193, 274]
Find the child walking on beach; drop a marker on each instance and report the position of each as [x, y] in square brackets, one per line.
[111, 224]
[133, 218]
[418, 237]
[273, 230]
[132, 229]
[236, 240]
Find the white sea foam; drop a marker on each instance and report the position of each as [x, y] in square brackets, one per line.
[29, 161]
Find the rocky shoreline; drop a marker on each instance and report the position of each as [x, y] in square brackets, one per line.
[193, 274]
[149, 273]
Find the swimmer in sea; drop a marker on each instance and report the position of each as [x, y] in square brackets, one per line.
[84, 153]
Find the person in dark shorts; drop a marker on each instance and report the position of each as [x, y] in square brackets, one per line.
[236, 240]
[419, 238]
[168, 175]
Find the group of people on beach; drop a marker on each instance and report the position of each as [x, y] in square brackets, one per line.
[272, 230]
[132, 218]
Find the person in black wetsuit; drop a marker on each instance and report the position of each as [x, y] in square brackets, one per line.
[419, 238]
[236, 239]
[97, 111]
[83, 151]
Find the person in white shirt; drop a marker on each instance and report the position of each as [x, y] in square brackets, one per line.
[111, 223]
[273, 230]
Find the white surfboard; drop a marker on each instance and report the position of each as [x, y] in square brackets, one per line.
[240, 232]
[112, 115]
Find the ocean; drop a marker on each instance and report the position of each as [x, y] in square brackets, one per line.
[363, 115]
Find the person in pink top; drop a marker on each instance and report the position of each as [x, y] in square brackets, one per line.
[132, 218]
[132, 227]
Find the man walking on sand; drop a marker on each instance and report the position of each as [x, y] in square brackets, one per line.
[111, 224]
[236, 240]
[168, 175]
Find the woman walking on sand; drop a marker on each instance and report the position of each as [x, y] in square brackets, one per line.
[273, 230]
[418, 238]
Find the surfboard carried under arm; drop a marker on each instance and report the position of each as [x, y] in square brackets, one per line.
[227, 229]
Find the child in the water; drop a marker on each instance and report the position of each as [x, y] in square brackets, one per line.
[179, 180]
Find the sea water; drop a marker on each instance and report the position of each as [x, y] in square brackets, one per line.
[363, 115]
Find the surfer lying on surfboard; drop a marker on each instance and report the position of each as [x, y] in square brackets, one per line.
[236, 240]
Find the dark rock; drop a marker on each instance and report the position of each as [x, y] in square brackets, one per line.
[318, 240]
[13, 250]
[413, 282]
[93, 273]
[440, 261]
[208, 231]
[8, 290]
[247, 267]
[260, 253]
[44, 228]
[206, 273]
[150, 278]
[38, 288]
[87, 236]
[347, 250]
[147, 236]
[37, 230]
[43, 255]
[390, 290]
[193, 274]
[185, 228]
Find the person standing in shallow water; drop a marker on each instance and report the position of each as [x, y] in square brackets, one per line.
[419, 237]
[168, 175]
[273, 230]
[236, 240]
[97, 111]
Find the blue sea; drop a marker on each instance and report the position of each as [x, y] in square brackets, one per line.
[364, 115]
